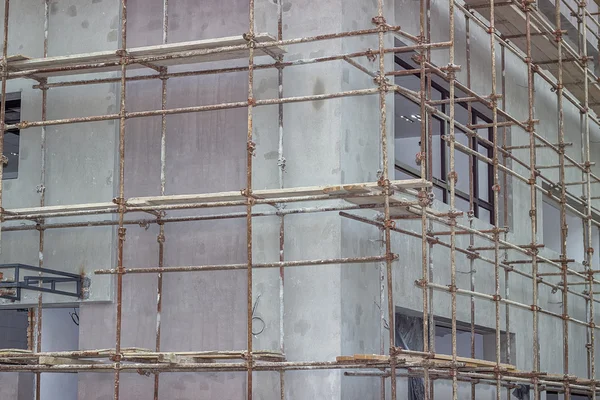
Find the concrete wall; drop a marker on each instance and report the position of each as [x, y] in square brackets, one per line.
[80, 159]
[205, 153]
[59, 333]
[361, 162]
[312, 150]
[328, 310]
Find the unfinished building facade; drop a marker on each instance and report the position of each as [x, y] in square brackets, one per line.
[277, 199]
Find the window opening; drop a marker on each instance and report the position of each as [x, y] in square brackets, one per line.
[408, 138]
[12, 137]
[409, 336]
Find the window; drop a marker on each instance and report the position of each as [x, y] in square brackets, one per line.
[13, 329]
[409, 336]
[11, 137]
[484, 338]
[443, 342]
[469, 168]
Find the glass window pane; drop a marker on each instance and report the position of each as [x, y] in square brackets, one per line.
[443, 342]
[485, 215]
[436, 129]
[439, 193]
[485, 133]
[407, 131]
[399, 175]
[408, 136]
[483, 170]
[462, 205]
[551, 226]
[461, 114]
[462, 163]
[412, 82]
[407, 121]
[483, 181]
[575, 247]
[595, 239]
[11, 151]
[11, 138]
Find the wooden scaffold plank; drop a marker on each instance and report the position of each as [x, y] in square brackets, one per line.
[193, 52]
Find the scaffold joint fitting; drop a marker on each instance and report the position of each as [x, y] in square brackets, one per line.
[391, 257]
[379, 21]
[251, 147]
[250, 39]
[389, 224]
[384, 183]
[424, 199]
[371, 55]
[453, 175]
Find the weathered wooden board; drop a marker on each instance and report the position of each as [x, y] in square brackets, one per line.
[170, 54]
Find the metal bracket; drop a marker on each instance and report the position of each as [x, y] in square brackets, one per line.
[46, 284]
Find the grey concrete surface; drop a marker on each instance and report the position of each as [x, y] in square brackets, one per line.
[329, 310]
[59, 333]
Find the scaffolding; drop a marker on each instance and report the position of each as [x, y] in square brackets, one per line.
[541, 47]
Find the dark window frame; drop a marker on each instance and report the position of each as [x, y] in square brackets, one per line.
[573, 396]
[474, 144]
